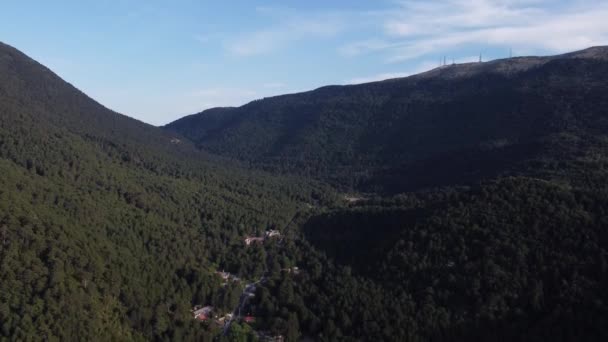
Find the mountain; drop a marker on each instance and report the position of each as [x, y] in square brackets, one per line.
[112, 229]
[453, 124]
[483, 215]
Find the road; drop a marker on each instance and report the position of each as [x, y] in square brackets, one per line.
[250, 288]
[247, 293]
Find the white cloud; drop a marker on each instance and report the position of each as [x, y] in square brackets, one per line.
[418, 28]
[288, 27]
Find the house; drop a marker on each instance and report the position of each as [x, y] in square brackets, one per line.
[251, 239]
[224, 319]
[295, 270]
[249, 319]
[227, 276]
[202, 314]
[223, 275]
[272, 233]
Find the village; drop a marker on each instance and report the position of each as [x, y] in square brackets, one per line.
[210, 315]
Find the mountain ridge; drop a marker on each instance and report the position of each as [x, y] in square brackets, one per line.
[384, 126]
[491, 224]
[594, 52]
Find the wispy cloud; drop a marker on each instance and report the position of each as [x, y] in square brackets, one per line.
[287, 27]
[417, 28]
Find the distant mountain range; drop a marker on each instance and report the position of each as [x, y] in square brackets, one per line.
[453, 124]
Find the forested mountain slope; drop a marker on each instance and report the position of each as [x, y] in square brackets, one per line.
[109, 230]
[454, 124]
[497, 228]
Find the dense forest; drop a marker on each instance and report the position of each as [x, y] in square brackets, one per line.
[109, 228]
[466, 203]
[452, 125]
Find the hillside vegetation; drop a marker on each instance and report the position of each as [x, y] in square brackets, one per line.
[453, 125]
[110, 231]
[485, 215]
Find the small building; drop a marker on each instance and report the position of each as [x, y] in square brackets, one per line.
[295, 270]
[223, 275]
[272, 233]
[249, 319]
[224, 319]
[203, 313]
[251, 240]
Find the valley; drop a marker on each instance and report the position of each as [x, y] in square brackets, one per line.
[468, 202]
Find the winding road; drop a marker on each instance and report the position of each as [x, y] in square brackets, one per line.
[247, 293]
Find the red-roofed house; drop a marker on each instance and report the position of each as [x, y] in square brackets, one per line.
[203, 314]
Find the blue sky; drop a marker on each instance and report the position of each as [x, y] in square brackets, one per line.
[159, 60]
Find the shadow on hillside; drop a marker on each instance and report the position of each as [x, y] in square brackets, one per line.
[464, 167]
[360, 237]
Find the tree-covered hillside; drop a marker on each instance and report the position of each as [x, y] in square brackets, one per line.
[486, 217]
[110, 229]
[454, 124]
[496, 224]
[514, 259]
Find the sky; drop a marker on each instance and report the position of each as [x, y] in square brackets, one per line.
[157, 61]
